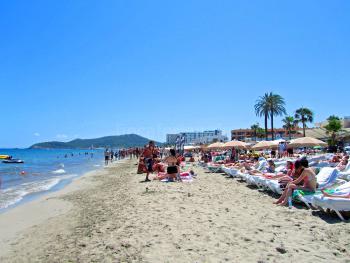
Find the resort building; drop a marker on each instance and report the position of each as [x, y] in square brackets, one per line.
[171, 138]
[249, 135]
[197, 137]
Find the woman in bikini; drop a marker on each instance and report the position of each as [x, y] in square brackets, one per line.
[307, 179]
[172, 169]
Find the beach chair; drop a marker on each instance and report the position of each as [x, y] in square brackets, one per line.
[269, 184]
[326, 178]
[252, 179]
[214, 168]
[225, 170]
[274, 186]
[345, 175]
[337, 205]
[234, 172]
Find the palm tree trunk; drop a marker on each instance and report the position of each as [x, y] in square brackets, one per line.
[266, 135]
[334, 138]
[289, 133]
[272, 132]
[304, 128]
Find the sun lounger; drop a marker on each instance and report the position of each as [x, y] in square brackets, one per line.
[214, 168]
[326, 178]
[274, 186]
[334, 203]
[253, 179]
[230, 171]
[345, 174]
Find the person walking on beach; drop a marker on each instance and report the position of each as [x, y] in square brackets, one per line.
[147, 154]
[107, 156]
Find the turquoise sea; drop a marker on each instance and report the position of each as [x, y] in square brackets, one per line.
[43, 170]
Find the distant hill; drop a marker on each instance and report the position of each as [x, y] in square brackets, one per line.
[121, 141]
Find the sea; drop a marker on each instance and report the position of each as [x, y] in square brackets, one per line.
[43, 171]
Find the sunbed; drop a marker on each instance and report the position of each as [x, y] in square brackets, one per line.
[326, 178]
[345, 174]
[334, 203]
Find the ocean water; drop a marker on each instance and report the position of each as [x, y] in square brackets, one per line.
[43, 170]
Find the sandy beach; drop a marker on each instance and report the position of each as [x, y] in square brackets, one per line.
[109, 216]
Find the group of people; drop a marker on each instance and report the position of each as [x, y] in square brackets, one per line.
[111, 155]
[166, 165]
[297, 175]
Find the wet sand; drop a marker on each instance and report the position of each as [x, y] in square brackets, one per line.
[109, 216]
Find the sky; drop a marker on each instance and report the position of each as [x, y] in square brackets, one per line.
[86, 69]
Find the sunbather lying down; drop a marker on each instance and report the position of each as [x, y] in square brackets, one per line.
[246, 166]
[162, 176]
[269, 170]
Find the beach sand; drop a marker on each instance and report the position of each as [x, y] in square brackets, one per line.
[109, 216]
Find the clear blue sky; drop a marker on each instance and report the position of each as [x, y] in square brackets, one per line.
[92, 68]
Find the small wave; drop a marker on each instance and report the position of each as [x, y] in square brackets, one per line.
[59, 171]
[13, 195]
[97, 165]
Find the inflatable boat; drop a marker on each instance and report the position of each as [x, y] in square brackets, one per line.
[13, 161]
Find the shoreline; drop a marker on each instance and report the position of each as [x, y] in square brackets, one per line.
[43, 172]
[38, 209]
[109, 216]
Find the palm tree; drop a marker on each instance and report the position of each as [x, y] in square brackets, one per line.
[262, 108]
[304, 115]
[255, 128]
[260, 132]
[333, 127]
[289, 125]
[276, 108]
[333, 117]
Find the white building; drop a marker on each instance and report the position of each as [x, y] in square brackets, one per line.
[197, 137]
[171, 138]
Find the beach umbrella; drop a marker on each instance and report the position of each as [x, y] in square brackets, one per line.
[306, 142]
[275, 143]
[279, 140]
[191, 147]
[235, 144]
[265, 145]
[215, 145]
[188, 147]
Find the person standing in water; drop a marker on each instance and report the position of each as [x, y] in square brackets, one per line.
[107, 156]
[112, 156]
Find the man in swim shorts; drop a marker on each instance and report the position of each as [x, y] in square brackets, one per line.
[148, 159]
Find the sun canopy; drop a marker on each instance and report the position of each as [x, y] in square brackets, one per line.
[216, 145]
[190, 147]
[306, 142]
[235, 144]
[265, 145]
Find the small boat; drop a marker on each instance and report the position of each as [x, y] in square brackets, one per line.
[4, 156]
[13, 161]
